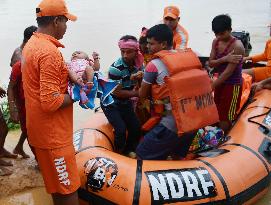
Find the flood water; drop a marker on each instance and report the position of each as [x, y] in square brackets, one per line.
[101, 23]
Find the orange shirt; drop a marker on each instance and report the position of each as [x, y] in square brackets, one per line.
[45, 81]
[180, 38]
[265, 56]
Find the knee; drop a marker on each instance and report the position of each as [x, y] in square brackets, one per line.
[144, 150]
[120, 131]
[134, 126]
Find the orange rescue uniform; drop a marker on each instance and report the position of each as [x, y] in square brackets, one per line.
[262, 73]
[49, 127]
[180, 38]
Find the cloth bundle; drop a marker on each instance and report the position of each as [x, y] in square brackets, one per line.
[208, 137]
[102, 88]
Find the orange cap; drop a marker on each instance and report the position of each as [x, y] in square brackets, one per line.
[54, 8]
[171, 11]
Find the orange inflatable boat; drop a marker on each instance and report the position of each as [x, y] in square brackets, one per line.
[237, 172]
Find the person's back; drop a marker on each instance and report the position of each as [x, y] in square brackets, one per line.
[41, 107]
[171, 18]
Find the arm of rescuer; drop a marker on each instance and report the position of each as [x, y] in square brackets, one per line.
[51, 74]
[264, 84]
[149, 77]
[232, 57]
[181, 40]
[260, 57]
[115, 74]
[237, 50]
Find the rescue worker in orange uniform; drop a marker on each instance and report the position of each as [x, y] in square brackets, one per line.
[49, 108]
[261, 73]
[172, 18]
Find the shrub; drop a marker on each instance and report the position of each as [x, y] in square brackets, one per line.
[5, 110]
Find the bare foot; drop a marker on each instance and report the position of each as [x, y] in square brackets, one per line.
[5, 163]
[5, 171]
[7, 154]
[21, 152]
[132, 155]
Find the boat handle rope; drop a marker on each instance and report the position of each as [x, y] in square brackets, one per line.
[267, 151]
[250, 119]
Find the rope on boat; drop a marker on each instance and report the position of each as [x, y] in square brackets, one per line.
[265, 128]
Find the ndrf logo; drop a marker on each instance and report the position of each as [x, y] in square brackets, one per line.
[101, 173]
[180, 185]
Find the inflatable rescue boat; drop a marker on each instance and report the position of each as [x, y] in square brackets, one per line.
[236, 172]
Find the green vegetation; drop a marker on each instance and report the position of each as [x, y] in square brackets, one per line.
[5, 110]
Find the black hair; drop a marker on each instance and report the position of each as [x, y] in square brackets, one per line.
[28, 32]
[128, 37]
[46, 20]
[221, 23]
[143, 38]
[161, 33]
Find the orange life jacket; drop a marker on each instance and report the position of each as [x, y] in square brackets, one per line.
[246, 88]
[188, 87]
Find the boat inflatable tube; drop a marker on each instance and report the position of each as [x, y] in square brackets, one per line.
[236, 172]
